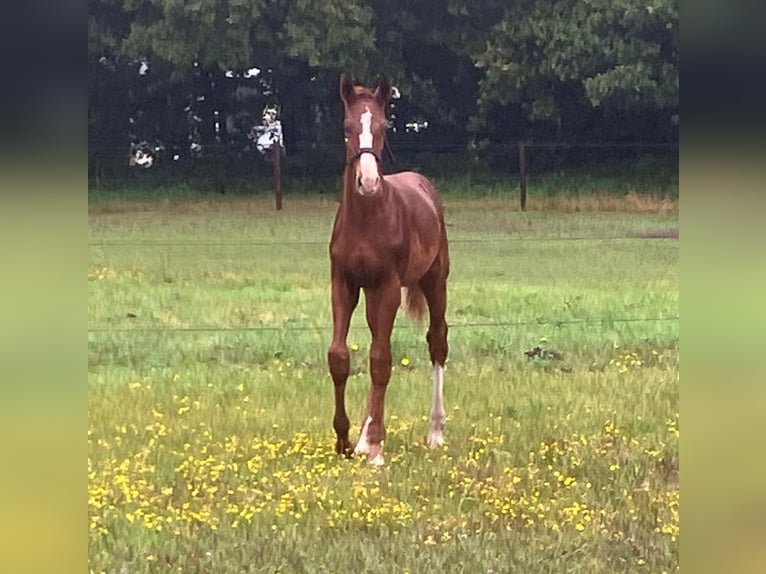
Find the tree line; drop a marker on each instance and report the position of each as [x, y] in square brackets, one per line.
[195, 75]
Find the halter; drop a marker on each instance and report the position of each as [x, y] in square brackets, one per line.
[363, 150]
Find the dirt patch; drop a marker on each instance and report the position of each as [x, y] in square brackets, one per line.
[630, 202]
[670, 233]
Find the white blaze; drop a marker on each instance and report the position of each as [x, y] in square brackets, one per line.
[365, 138]
[368, 166]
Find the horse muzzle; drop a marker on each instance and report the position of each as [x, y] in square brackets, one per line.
[368, 187]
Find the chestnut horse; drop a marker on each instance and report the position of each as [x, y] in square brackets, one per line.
[388, 239]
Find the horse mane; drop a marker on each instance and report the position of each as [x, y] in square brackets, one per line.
[363, 91]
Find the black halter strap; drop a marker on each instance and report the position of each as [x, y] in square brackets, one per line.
[361, 151]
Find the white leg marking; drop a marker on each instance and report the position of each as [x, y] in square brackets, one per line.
[362, 446]
[436, 430]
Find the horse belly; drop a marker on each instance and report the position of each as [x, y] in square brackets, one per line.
[421, 257]
[424, 227]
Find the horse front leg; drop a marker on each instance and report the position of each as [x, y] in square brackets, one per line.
[434, 287]
[382, 304]
[344, 300]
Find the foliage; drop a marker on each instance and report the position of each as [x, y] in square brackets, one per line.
[475, 70]
[334, 34]
[223, 35]
[622, 54]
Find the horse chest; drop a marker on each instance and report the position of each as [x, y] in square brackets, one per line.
[366, 264]
[379, 250]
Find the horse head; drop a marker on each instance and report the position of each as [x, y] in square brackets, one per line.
[365, 125]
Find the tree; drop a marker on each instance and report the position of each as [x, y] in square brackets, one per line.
[426, 46]
[108, 84]
[494, 69]
[618, 54]
[237, 34]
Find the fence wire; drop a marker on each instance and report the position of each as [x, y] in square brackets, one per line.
[323, 328]
[648, 234]
[603, 321]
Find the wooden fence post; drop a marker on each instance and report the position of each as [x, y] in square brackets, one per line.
[276, 153]
[523, 174]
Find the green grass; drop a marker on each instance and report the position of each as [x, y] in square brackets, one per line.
[210, 406]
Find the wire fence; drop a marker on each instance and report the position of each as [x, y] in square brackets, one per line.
[669, 233]
[403, 151]
[603, 145]
[593, 321]
[326, 328]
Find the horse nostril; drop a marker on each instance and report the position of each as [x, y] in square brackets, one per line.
[359, 181]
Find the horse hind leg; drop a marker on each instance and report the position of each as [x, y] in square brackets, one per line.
[438, 415]
[435, 289]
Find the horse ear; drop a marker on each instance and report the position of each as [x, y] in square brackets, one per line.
[346, 89]
[383, 91]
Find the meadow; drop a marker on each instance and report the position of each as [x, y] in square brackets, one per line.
[210, 445]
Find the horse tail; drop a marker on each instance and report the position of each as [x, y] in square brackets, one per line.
[414, 302]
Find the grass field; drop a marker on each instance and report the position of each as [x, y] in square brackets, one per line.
[210, 406]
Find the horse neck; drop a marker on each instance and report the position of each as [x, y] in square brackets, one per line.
[348, 184]
[352, 202]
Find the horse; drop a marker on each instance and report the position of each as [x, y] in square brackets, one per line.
[388, 239]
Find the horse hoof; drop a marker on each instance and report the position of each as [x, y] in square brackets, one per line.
[435, 438]
[343, 447]
[375, 455]
[377, 460]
